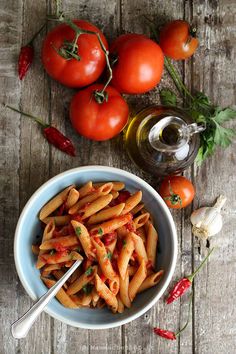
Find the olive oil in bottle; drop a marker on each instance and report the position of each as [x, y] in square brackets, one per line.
[162, 140]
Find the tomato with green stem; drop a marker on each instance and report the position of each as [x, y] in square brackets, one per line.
[72, 53]
[97, 113]
[178, 40]
[177, 191]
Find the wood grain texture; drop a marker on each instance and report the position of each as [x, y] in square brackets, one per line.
[26, 161]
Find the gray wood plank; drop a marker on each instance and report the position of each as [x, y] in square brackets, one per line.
[34, 157]
[215, 74]
[10, 36]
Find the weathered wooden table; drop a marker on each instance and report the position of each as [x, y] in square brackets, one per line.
[27, 161]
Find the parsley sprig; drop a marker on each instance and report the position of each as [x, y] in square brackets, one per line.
[200, 108]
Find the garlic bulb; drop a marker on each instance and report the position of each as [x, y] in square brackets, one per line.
[207, 221]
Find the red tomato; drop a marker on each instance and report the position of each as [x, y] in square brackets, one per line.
[177, 40]
[177, 191]
[139, 64]
[72, 72]
[98, 121]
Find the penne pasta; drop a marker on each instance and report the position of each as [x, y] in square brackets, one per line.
[131, 202]
[136, 209]
[105, 293]
[86, 189]
[54, 203]
[116, 186]
[141, 232]
[111, 225]
[61, 295]
[124, 290]
[151, 245]
[47, 269]
[151, 281]
[106, 214]
[95, 297]
[111, 247]
[87, 199]
[139, 248]
[84, 238]
[114, 285]
[95, 206]
[60, 257]
[116, 237]
[103, 259]
[141, 220]
[47, 235]
[72, 198]
[121, 307]
[125, 254]
[83, 280]
[58, 220]
[137, 280]
[59, 243]
[114, 194]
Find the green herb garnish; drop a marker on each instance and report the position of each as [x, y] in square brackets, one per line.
[89, 271]
[124, 242]
[78, 231]
[199, 107]
[109, 255]
[100, 232]
[87, 288]
[52, 252]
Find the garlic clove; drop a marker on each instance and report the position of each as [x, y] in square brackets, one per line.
[207, 221]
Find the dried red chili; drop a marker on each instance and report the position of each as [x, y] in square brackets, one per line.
[164, 333]
[52, 134]
[172, 335]
[184, 284]
[26, 56]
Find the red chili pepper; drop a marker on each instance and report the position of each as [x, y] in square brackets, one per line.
[169, 334]
[179, 289]
[60, 141]
[52, 134]
[184, 284]
[26, 56]
[164, 333]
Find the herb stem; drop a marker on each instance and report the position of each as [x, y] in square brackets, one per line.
[176, 78]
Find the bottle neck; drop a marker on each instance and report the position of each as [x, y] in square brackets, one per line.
[171, 133]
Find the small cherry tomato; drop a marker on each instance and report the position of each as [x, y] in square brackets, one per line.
[84, 65]
[98, 120]
[177, 191]
[177, 40]
[138, 63]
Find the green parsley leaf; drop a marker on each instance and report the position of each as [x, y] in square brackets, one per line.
[100, 232]
[52, 252]
[224, 115]
[109, 255]
[87, 288]
[124, 243]
[89, 271]
[78, 231]
[168, 98]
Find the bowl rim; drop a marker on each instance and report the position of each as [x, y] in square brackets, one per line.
[104, 169]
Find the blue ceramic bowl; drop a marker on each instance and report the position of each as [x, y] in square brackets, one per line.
[29, 226]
